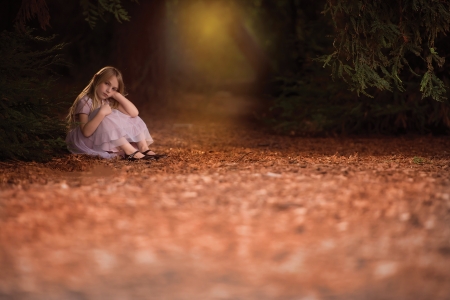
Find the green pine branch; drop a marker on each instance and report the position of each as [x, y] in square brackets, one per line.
[377, 43]
[95, 10]
[29, 126]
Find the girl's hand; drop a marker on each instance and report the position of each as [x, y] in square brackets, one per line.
[114, 95]
[105, 109]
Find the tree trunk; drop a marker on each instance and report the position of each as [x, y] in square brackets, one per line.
[140, 52]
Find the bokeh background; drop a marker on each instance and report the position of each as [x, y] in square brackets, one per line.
[190, 45]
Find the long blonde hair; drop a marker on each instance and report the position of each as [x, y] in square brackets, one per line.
[103, 75]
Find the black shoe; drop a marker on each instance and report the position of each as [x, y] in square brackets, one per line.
[154, 156]
[132, 158]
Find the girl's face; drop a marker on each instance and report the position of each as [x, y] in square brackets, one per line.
[106, 88]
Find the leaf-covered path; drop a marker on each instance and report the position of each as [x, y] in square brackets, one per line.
[232, 213]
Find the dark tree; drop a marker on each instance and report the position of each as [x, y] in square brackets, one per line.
[139, 50]
[385, 44]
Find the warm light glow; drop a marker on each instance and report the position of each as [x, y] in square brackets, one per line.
[210, 26]
[205, 47]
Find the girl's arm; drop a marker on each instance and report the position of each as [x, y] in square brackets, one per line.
[125, 105]
[88, 127]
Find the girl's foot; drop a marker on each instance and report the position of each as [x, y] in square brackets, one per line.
[153, 155]
[136, 156]
[148, 152]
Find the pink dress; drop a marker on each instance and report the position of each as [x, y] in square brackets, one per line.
[115, 130]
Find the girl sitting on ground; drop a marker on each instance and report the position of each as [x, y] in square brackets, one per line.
[105, 123]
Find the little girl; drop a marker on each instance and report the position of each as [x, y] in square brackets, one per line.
[105, 123]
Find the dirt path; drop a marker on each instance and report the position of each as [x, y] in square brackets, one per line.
[232, 213]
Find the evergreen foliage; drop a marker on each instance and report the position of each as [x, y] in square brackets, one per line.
[383, 43]
[398, 101]
[94, 11]
[316, 106]
[29, 126]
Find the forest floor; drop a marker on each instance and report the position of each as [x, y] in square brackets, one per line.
[232, 213]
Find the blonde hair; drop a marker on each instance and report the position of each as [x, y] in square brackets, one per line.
[101, 76]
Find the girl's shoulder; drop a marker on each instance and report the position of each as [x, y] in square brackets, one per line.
[86, 99]
[84, 105]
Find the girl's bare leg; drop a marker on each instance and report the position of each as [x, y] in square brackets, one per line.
[142, 146]
[129, 149]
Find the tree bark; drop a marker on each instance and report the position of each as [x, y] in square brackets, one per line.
[140, 52]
